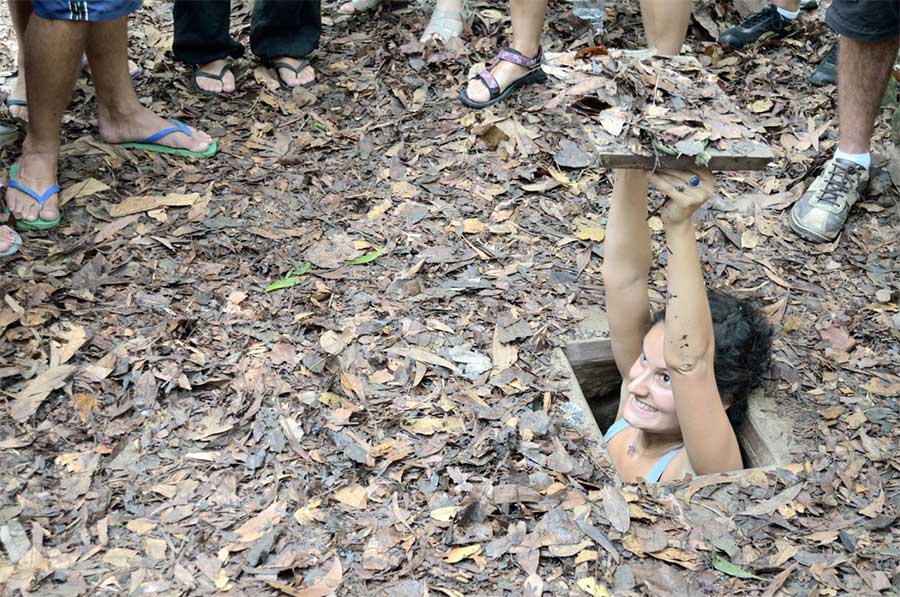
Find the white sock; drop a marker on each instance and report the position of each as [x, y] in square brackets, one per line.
[790, 16]
[863, 159]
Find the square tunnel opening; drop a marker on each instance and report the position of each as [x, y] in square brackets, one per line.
[764, 435]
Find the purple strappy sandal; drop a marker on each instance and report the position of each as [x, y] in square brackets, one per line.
[534, 75]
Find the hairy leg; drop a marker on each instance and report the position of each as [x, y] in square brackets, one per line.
[52, 70]
[863, 71]
[120, 116]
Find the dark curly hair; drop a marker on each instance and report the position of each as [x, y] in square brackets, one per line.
[743, 349]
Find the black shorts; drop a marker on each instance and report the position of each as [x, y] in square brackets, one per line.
[865, 20]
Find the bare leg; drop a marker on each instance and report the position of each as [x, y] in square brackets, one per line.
[52, 69]
[19, 10]
[120, 116]
[789, 5]
[527, 24]
[863, 70]
[665, 24]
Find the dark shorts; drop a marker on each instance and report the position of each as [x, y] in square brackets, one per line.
[865, 20]
[84, 10]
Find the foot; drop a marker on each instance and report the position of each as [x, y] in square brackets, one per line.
[18, 93]
[37, 171]
[767, 21]
[826, 73]
[822, 211]
[294, 79]
[446, 21]
[8, 239]
[213, 83]
[504, 72]
[134, 71]
[141, 123]
[357, 6]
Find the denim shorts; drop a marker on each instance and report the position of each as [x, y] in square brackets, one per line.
[91, 11]
[865, 20]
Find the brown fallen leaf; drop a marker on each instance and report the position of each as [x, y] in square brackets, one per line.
[353, 496]
[770, 505]
[258, 526]
[85, 188]
[327, 585]
[66, 343]
[134, 205]
[37, 390]
[108, 230]
[458, 554]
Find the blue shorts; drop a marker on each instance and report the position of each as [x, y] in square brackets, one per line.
[91, 11]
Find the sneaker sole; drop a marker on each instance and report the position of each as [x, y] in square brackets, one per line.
[806, 233]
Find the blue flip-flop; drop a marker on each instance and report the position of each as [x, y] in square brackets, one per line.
[150, 143]
[41, 199]
[14, 248]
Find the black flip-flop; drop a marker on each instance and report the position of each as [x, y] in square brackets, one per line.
[534, 75]
[197, 73]
[294, 69]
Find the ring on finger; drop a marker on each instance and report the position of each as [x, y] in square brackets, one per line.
[695, 181]
[679, 188]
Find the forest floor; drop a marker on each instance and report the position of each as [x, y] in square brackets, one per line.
[390, 422]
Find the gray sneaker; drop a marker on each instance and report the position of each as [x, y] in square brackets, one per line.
[822, 211]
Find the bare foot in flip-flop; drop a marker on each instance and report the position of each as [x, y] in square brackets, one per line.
[9, 241]
[141, 124]
[294, 72]
[16, 101]
[36, 171]
[215, 77]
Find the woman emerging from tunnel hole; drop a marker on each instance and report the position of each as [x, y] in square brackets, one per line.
[686, 371]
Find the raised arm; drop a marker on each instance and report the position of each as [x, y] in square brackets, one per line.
[626, 265]
[689, 342]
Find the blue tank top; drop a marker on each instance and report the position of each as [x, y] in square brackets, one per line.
[659, 468]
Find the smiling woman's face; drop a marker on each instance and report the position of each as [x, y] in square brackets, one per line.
[650, 405]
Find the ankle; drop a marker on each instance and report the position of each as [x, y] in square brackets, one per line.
[112, 112]
[529, 48]
[863, 158]
[33, 153]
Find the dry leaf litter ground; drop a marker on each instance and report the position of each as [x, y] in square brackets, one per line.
[396, 427]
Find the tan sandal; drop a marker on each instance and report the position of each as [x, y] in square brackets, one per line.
[443, 25]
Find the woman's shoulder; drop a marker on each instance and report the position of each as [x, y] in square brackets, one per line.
[678, 468]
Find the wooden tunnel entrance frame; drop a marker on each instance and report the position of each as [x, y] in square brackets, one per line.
[764, 435]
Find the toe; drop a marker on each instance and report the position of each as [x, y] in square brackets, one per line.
[211, 85]
[198, 141]
[477, 91]
[307, 76]
[49, 212]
